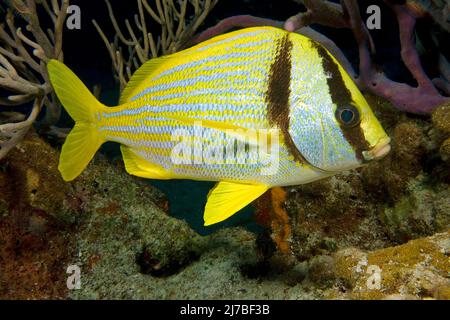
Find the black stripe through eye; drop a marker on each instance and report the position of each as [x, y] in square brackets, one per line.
[342, 98]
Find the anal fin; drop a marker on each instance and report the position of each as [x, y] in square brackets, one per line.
[138, 166]
[227, 198]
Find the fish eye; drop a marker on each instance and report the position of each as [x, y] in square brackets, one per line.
[348, 116]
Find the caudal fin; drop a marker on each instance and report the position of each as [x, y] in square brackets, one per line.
[84, 140]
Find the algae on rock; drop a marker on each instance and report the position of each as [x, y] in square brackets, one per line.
[441, 120]
[421, 212]
[419, 269]
[128, 248]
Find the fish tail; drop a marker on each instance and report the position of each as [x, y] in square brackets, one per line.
[85, 139]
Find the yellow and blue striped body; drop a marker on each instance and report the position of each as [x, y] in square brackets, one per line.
[225, 104]
[223, 80]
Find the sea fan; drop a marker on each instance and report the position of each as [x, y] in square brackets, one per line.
[19, 8]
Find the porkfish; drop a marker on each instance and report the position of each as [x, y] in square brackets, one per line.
[252, 109]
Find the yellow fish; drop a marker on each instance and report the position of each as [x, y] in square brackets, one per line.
[251, 109]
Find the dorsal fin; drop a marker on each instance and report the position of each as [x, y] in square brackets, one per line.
[141, 75]
[153, 65]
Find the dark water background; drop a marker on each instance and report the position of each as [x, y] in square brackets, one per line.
[86, 55]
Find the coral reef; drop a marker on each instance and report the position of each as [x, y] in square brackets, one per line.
[378, 232]
[47, 224]
[124, 243]
[128, 247]
[35, 183]
[421, 212]
[332, 214]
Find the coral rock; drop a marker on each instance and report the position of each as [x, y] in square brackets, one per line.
[418, 268]
[37, 218]
[441, 120]
[35, 182]
[413, 215]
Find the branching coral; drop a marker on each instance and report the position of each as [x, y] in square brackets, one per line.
[176, 28]
[23, 58]
[421, 99]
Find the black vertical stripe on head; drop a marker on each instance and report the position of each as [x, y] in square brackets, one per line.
[339, 92]
[342, 97]
[279, 91]
[279, 88]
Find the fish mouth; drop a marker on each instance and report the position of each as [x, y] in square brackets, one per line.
[380, 150]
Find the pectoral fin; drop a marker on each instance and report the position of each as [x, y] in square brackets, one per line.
[227, 198]
[138, 166]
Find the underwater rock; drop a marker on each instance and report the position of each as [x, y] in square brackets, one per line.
[441, 120]
[34, 183]
[38, 212]
[331, 214]
[131, 249]
[321, 271]
[217, 273]
[160, 244]
[112, 226]
[418, 268]
[47, 224]
[414, 215]
[389, 178]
